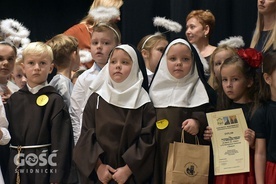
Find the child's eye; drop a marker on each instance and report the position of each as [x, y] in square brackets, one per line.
[172, 58]
[106, 43]
[94, 43]
[223, 80]
[186, 59]
[125, 62]
[19, 76]
[11, 59]
[161, 50]
[218, 64]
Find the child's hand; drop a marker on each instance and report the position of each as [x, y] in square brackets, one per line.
[122, 174]
[5, 98]
[208, 132]
[5, 93]
[191, 126]
[104, 173]
[249, 135]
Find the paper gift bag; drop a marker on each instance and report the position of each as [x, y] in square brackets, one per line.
[187, 163]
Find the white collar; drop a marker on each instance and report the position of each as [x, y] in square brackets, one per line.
[35, 89]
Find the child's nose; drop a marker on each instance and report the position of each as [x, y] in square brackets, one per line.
[118, 65]
[99, 46]
[178, 62]
[229, 84]
[24, 79]
[36, 66]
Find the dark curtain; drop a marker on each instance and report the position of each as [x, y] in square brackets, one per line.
[47, 18]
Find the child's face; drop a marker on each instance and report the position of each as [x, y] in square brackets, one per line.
[120, 65]
[7, 60]
[101, 45]
[179, 60]
[234, 83]
[194, 30]
[156, 53]
[18, 76]
[219, 58]
[37, 68]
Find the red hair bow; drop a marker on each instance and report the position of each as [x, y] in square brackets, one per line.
[251, 56]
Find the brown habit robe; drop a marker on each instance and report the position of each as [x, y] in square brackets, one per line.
[30, 125]
[118, 136]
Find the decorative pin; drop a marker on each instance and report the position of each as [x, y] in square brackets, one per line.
[162, 124]
[42, 100]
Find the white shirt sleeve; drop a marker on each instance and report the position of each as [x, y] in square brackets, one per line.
[4, 125]
[77, 98]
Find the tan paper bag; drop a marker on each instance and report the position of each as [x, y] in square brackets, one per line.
[187, 163]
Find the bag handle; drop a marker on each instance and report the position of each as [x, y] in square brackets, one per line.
[182, 138]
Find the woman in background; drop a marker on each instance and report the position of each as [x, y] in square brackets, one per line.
[199, 27]
[264, 38]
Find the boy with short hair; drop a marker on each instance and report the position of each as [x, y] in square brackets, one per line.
[66, 60]
[39, 124]
[105, 37]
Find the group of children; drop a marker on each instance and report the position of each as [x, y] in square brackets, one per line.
[115, 124]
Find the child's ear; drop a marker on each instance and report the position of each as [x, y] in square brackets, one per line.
[23, 68]
[76, 55]
[51, 68]
[250, 83]
[145, 53]
[267, 78]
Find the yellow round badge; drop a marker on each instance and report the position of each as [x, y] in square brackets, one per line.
[42, 100]
[162, 124]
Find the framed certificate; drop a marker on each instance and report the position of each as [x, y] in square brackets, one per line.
[231, 150]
